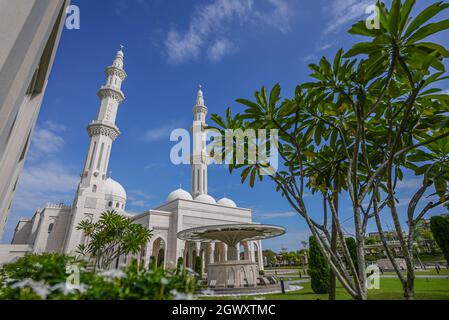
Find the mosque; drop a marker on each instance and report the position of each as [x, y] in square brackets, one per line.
[54, 228]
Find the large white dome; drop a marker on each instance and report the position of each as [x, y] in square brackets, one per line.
[205, 198]
[179, 194]
[114, 191]
[227, 203]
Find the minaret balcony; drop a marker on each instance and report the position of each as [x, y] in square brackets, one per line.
[111, 92]
[102, 128]
[114, 71]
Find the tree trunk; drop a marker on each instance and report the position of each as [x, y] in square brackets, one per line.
[334, 237]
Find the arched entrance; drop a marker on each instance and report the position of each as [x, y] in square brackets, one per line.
[159, 252]
[256, 252]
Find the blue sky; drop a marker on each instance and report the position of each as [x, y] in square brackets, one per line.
[231, 47]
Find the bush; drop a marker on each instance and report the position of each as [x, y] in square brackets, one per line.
[44, 277]
[153, 264]
[180, 263]
[318, 268]
[440, 230]
[352, 247]
[199, 267]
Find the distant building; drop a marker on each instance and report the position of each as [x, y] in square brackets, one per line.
[29, 37]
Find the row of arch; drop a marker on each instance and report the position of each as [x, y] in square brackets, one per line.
[208, 252]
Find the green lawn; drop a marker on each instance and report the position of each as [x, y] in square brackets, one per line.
[428, 272]
[431, 289]
[431, 258]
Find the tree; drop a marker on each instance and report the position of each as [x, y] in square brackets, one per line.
[318, 268]
[198, 267]
[440, 230]
[270, 256]
[153, 263]
[112, 236]
[352, 247]
[180, 263]
[372, 113]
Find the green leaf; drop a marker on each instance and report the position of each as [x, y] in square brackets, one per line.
[252, 180]
[337, 61]
[428, 30]
[275, 95]
[360, 29]
[425, 16]
[248, 103]
[405, 13]
[394, 17]
[433, 46]
[245, 173]
[363, 48]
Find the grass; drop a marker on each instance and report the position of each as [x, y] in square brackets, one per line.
[428, 272]
[391, 289]
[432, 258]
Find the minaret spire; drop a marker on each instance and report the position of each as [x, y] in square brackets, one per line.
[199, 158]
[200, 97]
[90, 197]
[103, 131]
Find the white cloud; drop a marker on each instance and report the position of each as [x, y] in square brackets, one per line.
[326, 46]
[309, 58]
[412, 183]
[48, 182]
[161, 133]
[46, 140]
[273, 215]
[139, 199]
[291, 241]
[341, 12]
[212, 20]
[54, 126]
[219, 49]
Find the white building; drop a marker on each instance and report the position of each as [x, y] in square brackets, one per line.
[53, 228]
[29, 37]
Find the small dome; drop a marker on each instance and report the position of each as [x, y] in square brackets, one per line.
[179, 194]
[205, 198]
[227, 203]
[114, 191]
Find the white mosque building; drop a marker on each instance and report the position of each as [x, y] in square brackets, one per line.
[53, 228]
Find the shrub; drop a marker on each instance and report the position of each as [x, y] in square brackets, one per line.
[153, 264]
[352, 247]
[44, 277]
[180, 263]
[318, 269]
[198, 268]
[440, 230]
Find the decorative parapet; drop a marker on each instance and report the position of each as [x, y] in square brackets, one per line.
[57, 206]
[100, 128]
[114, 71]
[111, 92]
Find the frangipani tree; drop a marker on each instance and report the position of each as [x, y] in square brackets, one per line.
[110, 237]
[355, 129]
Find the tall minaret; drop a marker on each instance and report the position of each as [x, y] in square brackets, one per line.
[103, 131]
[199, 158]
[89, 200]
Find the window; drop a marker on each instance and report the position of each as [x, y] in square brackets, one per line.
[101, 156]
[24, 151]
[94, 188]
[110, 204]
[117, 205]
[92, 155]
[50, 227]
